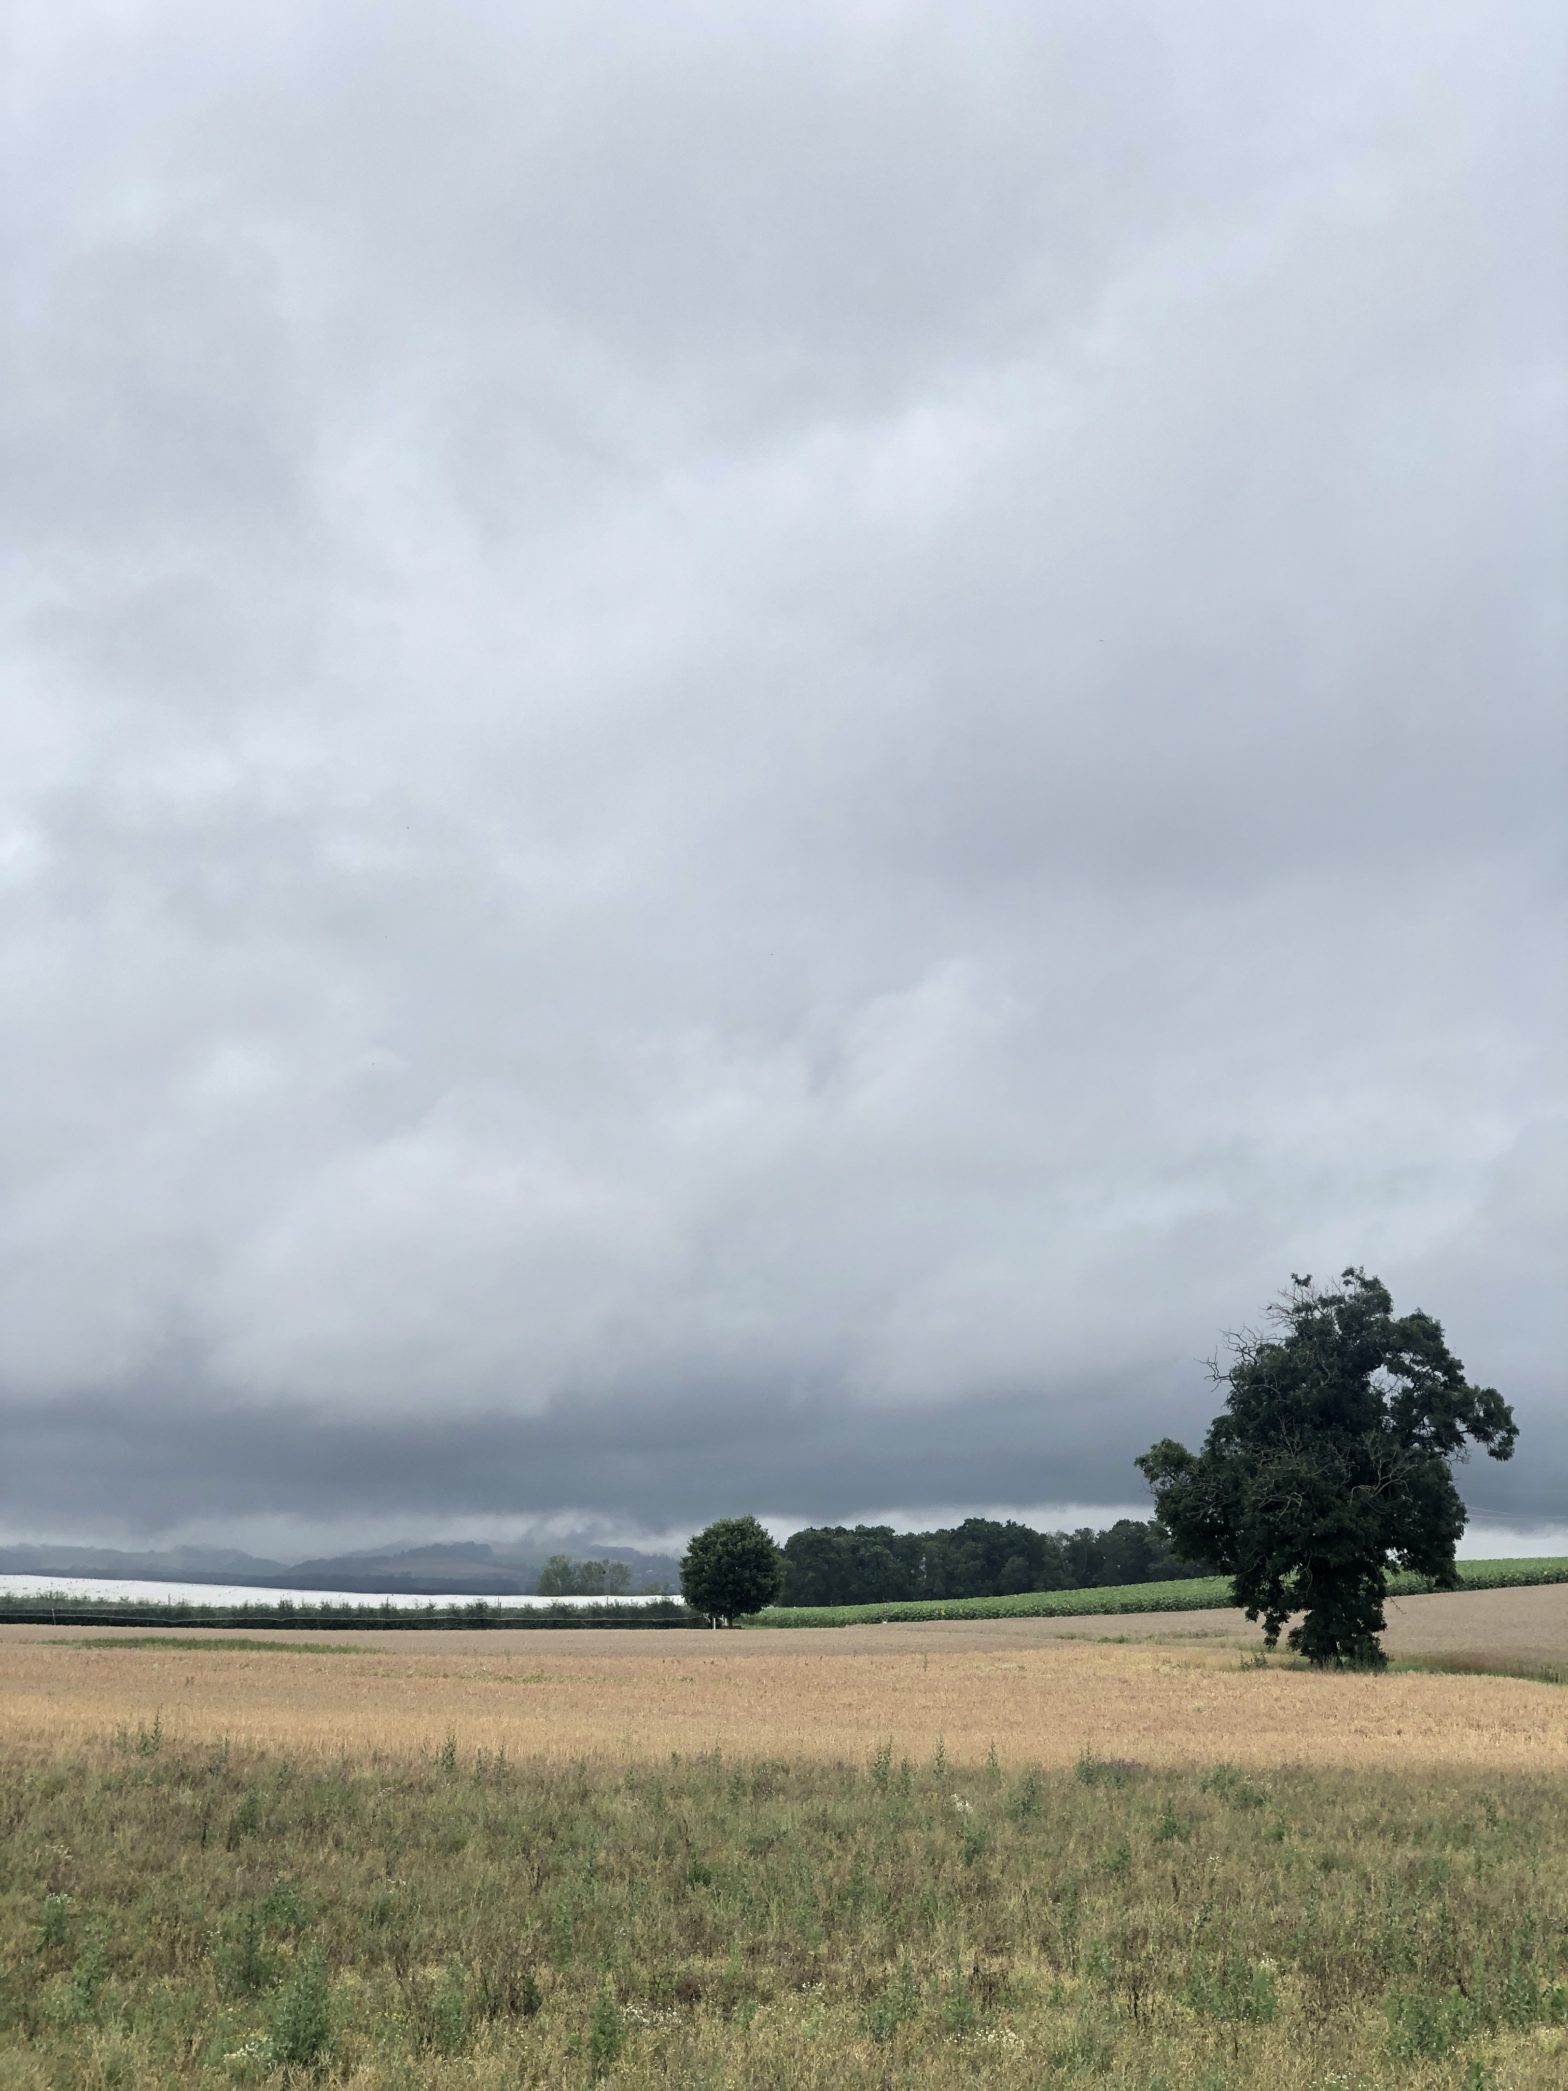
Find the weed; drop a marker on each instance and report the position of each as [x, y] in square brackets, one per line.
[1230, 1786]
[241, 1963]
[894, 2006]
[606, 2033]
[80, 2001]
[1170, 1829]
[300, 2034]
[1233, 1988]
[246, 1819]
[505, 1991]
[54, 1923]
[1423, 2027]
[282, 1909]
[960, 2014]
[450, 2018]
[1093, 1770]
[973, 1840]
[1026, 1797]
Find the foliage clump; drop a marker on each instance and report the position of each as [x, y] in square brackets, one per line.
[730, 1570]
[561, 1576]
[981, 1557]
[1331, 1460]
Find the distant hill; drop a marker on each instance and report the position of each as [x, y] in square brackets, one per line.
[184, 1564]
[468, 1568]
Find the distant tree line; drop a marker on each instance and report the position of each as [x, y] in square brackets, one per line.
[982, 1557]
[561, 1576]
[1330, 1463]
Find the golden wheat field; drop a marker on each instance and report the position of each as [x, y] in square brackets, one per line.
[1166, 1692]
[1001, 1853]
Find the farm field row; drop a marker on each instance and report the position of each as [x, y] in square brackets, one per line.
[1195, 1595]
[1175, 1693]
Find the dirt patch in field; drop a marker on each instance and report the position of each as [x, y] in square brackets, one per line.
[1042, 1691]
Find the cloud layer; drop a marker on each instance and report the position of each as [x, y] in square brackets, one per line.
[753, 752]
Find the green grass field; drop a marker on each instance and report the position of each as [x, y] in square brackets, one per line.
[1198, 1595]
[213, 1919]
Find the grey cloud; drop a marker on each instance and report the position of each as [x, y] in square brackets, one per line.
[810, 1457]
[756, 754]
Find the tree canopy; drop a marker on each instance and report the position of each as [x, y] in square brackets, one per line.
[561, 1576]
[982, 1557]
[731, 1569]
[1332, 1460]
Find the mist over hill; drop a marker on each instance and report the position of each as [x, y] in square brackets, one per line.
[468, 1568]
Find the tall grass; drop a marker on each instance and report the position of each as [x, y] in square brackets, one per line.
[178, 1918]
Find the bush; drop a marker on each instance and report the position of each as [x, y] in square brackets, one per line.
[301, 2029]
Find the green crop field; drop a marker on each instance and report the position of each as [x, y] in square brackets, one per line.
[1197, 1596]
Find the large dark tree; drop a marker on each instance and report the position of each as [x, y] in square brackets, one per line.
[730, 1569]
[1331, 1461]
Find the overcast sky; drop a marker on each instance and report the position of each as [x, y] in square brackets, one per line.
[749, 752]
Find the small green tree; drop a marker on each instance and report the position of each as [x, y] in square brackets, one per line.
[561, 1576]
[557, 1578]
[730, 1570]
[1332, 1460]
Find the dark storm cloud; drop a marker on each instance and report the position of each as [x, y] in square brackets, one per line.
[811, 1457]
[751, 753]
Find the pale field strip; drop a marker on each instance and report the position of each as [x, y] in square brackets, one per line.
[1039, 1691]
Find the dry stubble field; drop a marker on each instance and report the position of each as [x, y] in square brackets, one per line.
[1168, 1690]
